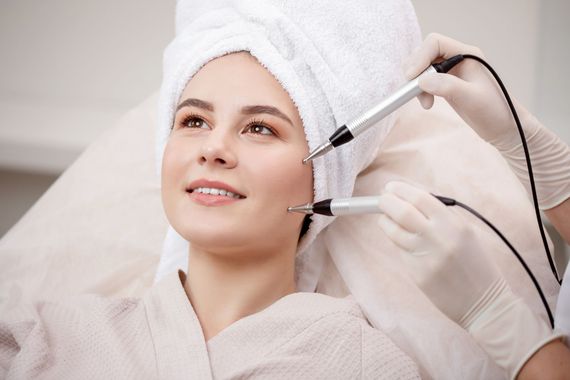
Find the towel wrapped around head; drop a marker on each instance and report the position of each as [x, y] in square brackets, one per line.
[335, 60]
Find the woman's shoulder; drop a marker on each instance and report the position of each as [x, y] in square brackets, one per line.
[316, 314]
[336, 332]
[343, 324]
[79, 308]
[74, 334]
[328, 313]
[70, 322]
[320, 314]
[90, 308]
[321, 304]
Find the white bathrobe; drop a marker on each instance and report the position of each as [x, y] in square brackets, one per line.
[301, 336]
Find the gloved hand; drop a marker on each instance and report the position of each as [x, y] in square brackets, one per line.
[474, 94]
[450, 265]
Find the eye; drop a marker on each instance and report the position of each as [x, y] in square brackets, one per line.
[259, 128]
[193, 121]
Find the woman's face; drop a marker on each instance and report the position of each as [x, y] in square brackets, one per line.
[236, 130]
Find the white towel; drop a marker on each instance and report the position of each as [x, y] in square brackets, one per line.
[336, 59]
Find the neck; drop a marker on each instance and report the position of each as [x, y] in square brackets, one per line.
[223, 290]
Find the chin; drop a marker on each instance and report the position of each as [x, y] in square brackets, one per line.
[228, 233]
[227, 243]
[208, 237]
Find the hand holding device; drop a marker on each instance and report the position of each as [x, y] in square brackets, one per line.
[450, 265]
[469, 88]
[473, 93]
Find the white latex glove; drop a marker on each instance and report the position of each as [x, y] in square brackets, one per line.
[451, 267]
[474, 94]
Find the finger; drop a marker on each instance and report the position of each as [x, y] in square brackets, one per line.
[402, 238]
[402, 212]
[421, 200]
[426, 100]
[448, 86]
[434, 47]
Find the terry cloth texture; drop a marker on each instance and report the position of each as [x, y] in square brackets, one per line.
[335, 60]
[300, 336]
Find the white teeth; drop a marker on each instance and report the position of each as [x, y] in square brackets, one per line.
[214, 191]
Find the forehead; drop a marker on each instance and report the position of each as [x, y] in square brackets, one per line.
[239, 79]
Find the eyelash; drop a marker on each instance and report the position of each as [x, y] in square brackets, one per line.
[187, 119]
[254, 122]
[261, 123]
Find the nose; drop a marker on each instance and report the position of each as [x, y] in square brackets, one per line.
[218, 150]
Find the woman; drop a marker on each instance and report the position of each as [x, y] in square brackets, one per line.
[227, 180]
[232, 138]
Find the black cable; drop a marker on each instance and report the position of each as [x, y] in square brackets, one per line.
[452, 202]
[527, 157]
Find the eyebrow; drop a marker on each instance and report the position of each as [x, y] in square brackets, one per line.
[196, 103]
[246, 110]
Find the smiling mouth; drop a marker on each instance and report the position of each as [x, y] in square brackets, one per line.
[215, 192]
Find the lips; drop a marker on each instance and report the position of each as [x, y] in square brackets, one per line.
[204, 183]
[213, 193]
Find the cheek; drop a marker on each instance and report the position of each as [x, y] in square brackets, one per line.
[172, 172]
[297, 183]
[168, 166]
[282, 176]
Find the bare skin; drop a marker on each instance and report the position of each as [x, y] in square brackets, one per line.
[242, 253]
[552, 361]
[223, 292]
[558, 216]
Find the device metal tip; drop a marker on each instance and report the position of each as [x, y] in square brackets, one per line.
[320, 151]
[303, 209]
